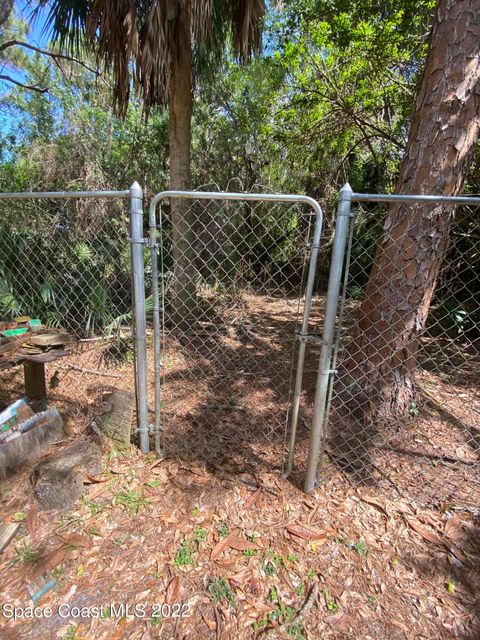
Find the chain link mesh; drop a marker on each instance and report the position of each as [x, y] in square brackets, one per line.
[67, 263]
[432, 456]
[231, 301]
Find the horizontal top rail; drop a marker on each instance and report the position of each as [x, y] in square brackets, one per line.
[234, 195]
[376, 197]
[25, 195]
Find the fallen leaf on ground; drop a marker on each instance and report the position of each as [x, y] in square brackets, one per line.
[334, 619]
[173, 590]
[252, 499]
[375, 502]
[32, 520]
[93, 480]
[233, 541]
[305, 533]
[427, 535]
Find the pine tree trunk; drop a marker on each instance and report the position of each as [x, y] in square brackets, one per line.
[442, 139]
[179, 138]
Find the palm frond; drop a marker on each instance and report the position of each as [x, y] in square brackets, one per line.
[137, 39]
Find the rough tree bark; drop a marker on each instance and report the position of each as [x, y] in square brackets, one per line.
[442, 138]
[180, 116]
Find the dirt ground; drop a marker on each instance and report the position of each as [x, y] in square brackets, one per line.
[221, 546]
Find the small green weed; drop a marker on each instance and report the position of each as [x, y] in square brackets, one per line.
[156, 621]
[330, 602]
[70, 633]
[360, 547]
[249, 553]
[26, 554]
[223, 529]
[220, 591]
[273, 562]
[200, 535]
[184, 555]
[413, 410]
[132, 501]
[450, 586]
[95, 508]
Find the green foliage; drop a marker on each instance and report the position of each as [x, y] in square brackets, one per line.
[330, 602]
[131, 501]
[329, 99]
[184, 555]
[220, 591]
[200, 535]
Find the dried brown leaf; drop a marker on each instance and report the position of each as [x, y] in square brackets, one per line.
[32, 518]
[73, 539]
[209, 622]
[305, 533]
[173, 590]
[375, 502]
[253, 498]
[427, 535]
[238, 543]
[337, 619]
[88, 479]
[219, 548]
[233, 541]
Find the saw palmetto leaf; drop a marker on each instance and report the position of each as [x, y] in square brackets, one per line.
[137, 39]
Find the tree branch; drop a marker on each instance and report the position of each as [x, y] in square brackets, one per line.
[30, 87]
[51, 54]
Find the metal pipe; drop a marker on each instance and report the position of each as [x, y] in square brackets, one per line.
[303, 343]
[375, 197]
[23, 195]
[324, 366]
[227, 195]
[152, 223]
[138, 283]
[336, 345]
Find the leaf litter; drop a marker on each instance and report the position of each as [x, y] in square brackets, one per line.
[407, 582]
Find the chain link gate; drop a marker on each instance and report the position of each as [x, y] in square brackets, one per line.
[231, 299]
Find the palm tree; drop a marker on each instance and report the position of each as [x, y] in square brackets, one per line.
[153, 46]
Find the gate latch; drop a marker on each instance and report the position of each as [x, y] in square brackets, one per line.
[308, 337]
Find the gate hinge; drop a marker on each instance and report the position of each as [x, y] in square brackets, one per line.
[308, 337]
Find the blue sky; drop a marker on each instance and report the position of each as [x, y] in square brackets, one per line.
[35, 37]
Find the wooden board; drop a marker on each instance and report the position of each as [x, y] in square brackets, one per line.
[7, 533]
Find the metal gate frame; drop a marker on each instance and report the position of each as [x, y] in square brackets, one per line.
[135, 197]
[340, 263]
[303, 335]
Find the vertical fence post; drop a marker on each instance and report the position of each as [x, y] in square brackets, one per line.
[152, 223]
[303, 342]
[324, 365]
[138, 284]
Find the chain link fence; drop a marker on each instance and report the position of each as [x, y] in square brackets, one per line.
[431, 452]
[67, 262]
[233, 279]
[236, 334]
